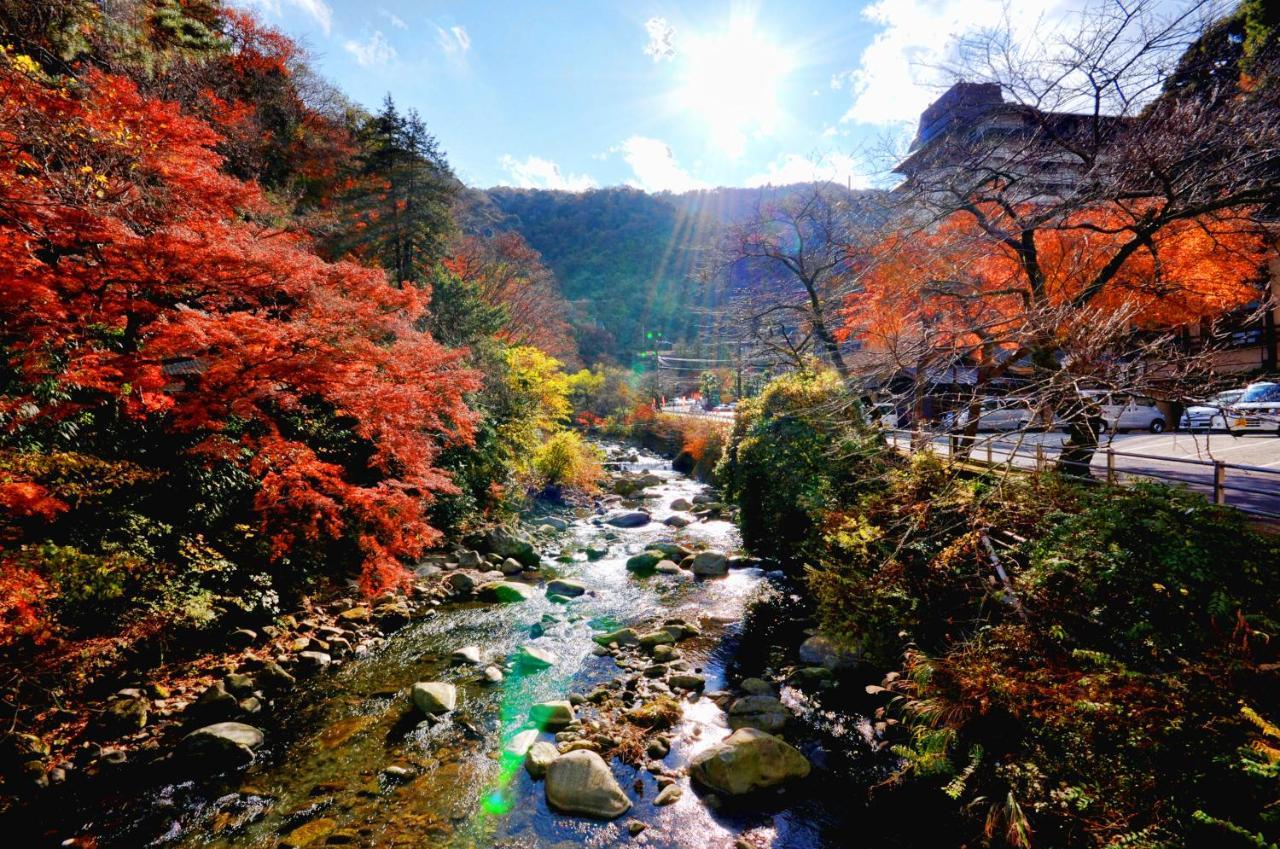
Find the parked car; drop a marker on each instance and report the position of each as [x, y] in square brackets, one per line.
[1209, 414]
[1121, 411]
[1257, 410]
[997, 414]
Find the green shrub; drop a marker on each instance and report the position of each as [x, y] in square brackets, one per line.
[796, 452]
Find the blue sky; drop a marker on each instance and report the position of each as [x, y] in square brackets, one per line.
[659, 95]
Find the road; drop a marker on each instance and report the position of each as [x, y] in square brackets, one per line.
[1251, 462]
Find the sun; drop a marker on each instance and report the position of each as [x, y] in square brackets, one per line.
[731, 80]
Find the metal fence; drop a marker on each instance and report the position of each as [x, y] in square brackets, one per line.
[1252, 489]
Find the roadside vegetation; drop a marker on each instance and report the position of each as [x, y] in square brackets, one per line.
[1073, 665]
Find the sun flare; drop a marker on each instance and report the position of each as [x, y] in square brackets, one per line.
[732, 79]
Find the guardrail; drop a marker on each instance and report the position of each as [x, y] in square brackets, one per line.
[698, 414]
[1252, 489]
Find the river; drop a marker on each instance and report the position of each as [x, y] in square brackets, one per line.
[327, 758]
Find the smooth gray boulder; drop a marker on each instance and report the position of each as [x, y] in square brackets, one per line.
[540, 756]
[710, 564]
[222, 744]
[552, 715]
[566, 587]
[581, 782]
[434, 697]
[518, 746]
[746, 761]
[682, 504]
[645, 561]
[630, 519]
[762, 712]
[677, 521]
[508, 544]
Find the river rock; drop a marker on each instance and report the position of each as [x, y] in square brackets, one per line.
[756, 687]
[518, 746]
[552, 715]
[462, 582]
[682, 504]
[565, 587]
[657, 638]
[747, 760]
[556, 523]
[511, 566]
[434, 697]
[667, 567]
[823, 651]
[581, 782]
[687, 681]
[466, 655]
[492, 675]
[314, 660]
[629, 519]
[540, 756]
[645, 561]
[126, 714]
[668, 795]
[505, 591]
[222, 744]
[762, 712]
[622, 636]
[308, 833]
[470, 560]
[710, 564]
[508, 544]
[533, 659]
[215, 703]
[677, 521]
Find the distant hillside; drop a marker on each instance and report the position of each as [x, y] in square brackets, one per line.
[626, 259]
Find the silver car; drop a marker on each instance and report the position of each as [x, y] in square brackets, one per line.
[1257, 410]
[998, 414]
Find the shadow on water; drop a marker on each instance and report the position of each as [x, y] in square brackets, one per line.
[326, 770]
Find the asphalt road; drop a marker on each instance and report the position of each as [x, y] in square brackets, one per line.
[1251, 461]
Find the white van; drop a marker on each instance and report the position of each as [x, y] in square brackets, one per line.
[1122, 411]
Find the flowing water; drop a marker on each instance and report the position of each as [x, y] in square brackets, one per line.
[325, 761]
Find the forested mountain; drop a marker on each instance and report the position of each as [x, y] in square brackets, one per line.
[630, 262]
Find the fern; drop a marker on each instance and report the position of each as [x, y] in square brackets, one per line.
[955, 787]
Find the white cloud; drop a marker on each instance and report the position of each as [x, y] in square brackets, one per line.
[318, 10]
[396, 21]
[662, 39]
[839, 168]
[655, 168]
[534, 172]
[899, 73]
[453, 40]
[374, 50]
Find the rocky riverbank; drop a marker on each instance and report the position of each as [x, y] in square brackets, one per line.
[594, 660]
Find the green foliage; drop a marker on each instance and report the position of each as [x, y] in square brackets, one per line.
[792, 457]
[709, 386]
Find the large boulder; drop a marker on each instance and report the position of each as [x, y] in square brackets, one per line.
[505, 591]
[629, 519]
[763, 712]
[823, 651]
[434, 697]
[710, 564]
[221, 745]
[507, 544]
[746, 761]
[552, 715]
[581, 782]
[622, 637]
[565, 587]
[644, 562]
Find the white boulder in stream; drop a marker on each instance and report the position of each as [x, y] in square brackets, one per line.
[582, 783]
[533, 659]
[552, 715]
[434, 697]
[746, 761]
